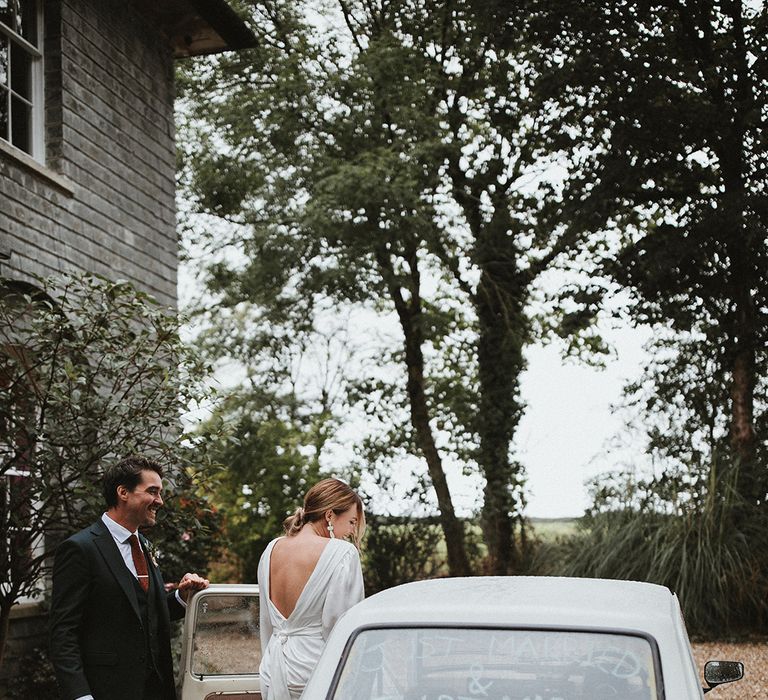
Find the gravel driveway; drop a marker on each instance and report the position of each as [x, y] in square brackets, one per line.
[755, 657]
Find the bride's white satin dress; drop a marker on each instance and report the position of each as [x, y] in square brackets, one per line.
[291, 646]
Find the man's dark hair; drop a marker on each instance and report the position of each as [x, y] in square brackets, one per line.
[127, 472]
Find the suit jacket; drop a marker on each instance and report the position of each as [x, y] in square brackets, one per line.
[98, 644]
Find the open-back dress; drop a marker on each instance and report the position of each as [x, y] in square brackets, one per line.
[291, 646]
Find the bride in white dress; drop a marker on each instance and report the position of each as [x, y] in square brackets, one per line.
[307, 579]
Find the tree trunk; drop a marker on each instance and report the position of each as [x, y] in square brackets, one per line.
[751, 482]
[496, 422]
[743, 276]
[5, 622]
[453, 528]
[409, 314]
[502, 332]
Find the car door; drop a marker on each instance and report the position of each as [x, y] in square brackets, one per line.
[221, 648]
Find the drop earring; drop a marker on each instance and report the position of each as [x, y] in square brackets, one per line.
[330, 530]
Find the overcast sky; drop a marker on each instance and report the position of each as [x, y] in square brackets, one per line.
[566, 435]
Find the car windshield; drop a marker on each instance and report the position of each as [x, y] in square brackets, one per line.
[496, 664]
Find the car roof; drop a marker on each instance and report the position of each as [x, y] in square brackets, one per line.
[521, 600]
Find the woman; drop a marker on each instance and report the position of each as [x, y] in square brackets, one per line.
[307, 579]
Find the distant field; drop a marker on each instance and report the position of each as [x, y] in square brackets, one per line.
[548, 529]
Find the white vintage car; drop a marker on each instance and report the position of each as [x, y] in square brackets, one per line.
[491, 638]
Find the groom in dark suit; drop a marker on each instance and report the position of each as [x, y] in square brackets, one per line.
[110, 614]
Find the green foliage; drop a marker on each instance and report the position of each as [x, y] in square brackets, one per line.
[711, 550]
[399, 550]
[682, 402]
[270, 459]
[188, 536]
[90, 371]
[37, 679]
[390, 158]
[665, 105]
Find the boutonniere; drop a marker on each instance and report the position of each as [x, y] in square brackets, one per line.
[152, 553]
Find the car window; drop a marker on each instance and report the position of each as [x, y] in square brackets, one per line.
[226, 637]
[495, 664]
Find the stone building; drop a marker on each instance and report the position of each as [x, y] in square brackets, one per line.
[87, 153]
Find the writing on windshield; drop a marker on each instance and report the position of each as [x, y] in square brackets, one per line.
[468, 664]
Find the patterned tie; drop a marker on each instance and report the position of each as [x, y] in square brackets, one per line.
[139, 562]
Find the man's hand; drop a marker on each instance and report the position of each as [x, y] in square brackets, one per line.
[189, 584]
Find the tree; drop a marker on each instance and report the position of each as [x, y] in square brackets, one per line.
[495, 164]
[90, 371]
[271, 425]
[668, 104]
[268, 470]
[396, 162]
[326, 224]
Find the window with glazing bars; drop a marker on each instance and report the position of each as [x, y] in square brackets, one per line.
[21, 75]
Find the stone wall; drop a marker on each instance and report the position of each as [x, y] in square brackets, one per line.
[104, 200]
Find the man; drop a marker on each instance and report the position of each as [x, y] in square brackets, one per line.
[110, 614]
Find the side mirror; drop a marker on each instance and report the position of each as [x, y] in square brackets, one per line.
[719, 672]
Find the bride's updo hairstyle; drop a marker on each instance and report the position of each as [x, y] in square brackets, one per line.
[325, 495]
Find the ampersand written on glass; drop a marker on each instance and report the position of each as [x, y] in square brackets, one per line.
[476, 686]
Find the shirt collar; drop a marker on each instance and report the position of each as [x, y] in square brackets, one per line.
[117, 531]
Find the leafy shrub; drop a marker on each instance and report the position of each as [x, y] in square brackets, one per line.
[711, 551]
[36, 679]
[401, 549]
[92, 371]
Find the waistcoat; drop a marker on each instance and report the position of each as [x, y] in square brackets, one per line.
[150, 624]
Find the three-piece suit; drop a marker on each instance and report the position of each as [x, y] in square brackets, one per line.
[107, 635]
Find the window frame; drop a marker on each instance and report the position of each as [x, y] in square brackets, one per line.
[658, 671]
[35, 547]
[36, 99]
